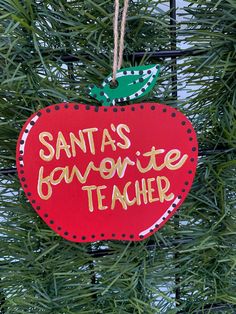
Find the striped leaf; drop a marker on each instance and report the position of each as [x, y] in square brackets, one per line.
[132, 83]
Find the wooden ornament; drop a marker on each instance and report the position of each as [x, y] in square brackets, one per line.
[95, 173]
[131, 83]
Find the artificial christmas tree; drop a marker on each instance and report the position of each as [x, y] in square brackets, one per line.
[50, 52]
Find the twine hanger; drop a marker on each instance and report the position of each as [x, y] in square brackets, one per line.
[117, 60]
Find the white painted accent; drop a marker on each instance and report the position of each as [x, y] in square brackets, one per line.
[153, 72]
[120, 74]
[160, 220]
[25, 136]
[106, 95]
[140, 92]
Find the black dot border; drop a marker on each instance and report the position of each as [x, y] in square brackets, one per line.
[115, 109]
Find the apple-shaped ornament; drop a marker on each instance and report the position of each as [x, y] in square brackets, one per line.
[108, 172]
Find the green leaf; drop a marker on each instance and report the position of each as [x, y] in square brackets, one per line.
[132, 83]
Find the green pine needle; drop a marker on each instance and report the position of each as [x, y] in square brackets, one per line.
[189, 266]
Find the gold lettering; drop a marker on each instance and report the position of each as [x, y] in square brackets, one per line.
[143, 191]
[126, 197]
[105, 172]
[79, 142]
[89, 189]
[101, 197]
[174, 155]
[121, 166]
[90, 132]
[62, 145]
[41, 181]
[117, 196]
[107, 140]
[152, 161]
[62, 171]
[126, 140]
[151, 190]
[42, 154]
[76, 172]
[163, 189]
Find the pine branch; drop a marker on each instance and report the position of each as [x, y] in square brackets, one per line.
[41, 272]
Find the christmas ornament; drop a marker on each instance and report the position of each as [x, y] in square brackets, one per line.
[94, 173]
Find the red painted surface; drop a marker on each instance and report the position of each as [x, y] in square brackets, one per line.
[148, 134]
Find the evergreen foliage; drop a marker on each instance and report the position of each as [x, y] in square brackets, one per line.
[189, 265]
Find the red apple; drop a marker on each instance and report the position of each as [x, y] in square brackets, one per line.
[94, 173]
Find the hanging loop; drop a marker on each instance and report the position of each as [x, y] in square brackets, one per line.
[118, 59]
